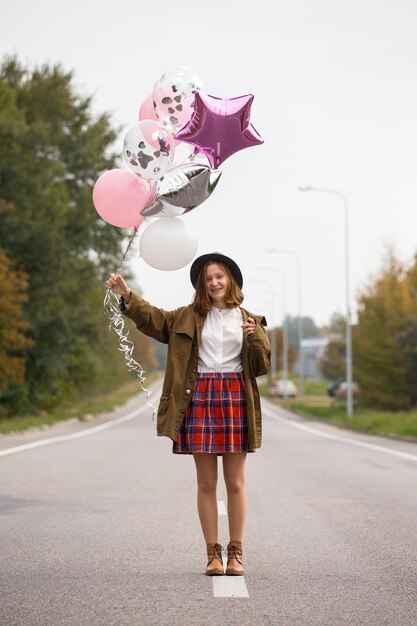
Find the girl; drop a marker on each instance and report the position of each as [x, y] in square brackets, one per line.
[210, 403]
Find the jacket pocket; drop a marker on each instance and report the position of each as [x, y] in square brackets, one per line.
[180, 344]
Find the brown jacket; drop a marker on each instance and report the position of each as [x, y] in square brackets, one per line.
[181, 330]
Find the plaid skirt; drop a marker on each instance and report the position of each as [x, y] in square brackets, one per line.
[215, 420]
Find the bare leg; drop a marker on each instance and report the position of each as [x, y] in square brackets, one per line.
[234, 478]
[206, 466]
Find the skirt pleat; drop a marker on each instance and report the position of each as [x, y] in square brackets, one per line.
[215, 420]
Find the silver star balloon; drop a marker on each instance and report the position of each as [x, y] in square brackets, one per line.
[182, 189]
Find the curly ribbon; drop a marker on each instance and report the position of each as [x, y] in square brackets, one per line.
[117, 324]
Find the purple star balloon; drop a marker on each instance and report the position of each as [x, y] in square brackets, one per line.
[219, 127]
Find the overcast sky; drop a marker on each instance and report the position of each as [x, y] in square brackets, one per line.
[335, 101]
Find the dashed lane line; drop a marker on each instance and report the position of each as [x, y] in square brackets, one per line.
[229, 587]
[221, 507]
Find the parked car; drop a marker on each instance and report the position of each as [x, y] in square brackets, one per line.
[342, 390]
[283, 389]
[339, 389]
[332, 389]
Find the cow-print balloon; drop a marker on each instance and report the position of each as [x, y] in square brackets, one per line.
[174, 96]
[144, 159]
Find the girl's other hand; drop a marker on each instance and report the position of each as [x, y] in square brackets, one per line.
[249, 327]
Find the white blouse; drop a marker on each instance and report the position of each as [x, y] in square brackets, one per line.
[221, 341]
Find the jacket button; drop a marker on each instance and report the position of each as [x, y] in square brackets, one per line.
[182, 411]
[194, 369]
[188, 392]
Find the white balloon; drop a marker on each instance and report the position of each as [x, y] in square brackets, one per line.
[144, 225]
[168, 244]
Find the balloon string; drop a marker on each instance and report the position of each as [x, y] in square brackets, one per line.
[135, 232]
[117, 324]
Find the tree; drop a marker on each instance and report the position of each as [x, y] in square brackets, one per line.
[292, 352]
[407, 335]
[333, 362]
[52, 150]
[407, 342]
[13, 326]
[379, 364]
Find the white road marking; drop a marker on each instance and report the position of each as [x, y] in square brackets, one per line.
[77, 435]
[221, 507]
[355, 442]
[229, 587]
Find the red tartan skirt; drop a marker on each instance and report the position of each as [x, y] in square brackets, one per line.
[215, 420]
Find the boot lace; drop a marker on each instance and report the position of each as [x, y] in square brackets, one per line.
[215, 553]
[233, 552]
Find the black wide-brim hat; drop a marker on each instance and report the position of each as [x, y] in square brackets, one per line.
[215, 257]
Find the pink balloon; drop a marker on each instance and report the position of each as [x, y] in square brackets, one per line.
[147, 111]
[119, 196]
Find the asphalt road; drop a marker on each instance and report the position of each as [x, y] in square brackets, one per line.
[102, 529]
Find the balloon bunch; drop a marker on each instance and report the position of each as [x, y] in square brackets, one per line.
[160, 183]
[177, 118]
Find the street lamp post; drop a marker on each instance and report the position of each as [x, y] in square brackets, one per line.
[349, 405]
[284, 334]
[299, 307]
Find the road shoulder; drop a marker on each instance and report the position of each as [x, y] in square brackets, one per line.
[396, 443]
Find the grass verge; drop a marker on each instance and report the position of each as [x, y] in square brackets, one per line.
[367, 420]
[93, 405]
[401, 423]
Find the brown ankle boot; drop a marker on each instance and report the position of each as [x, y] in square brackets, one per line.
[214, 555]
[235, 554]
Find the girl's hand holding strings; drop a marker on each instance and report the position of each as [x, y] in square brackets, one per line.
[118, 285]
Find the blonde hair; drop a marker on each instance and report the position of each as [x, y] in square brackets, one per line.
[202, 302]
